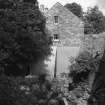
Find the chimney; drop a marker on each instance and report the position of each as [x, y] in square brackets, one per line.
[42, 8]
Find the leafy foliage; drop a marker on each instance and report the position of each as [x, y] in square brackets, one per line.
[75, 8]
[84, 64]
[28, 91]
[23, 36]
[97, 95]
[94, 21]
[10, 94]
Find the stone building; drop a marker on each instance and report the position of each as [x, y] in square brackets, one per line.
[65, 28]
[43, 9]
[67, 31]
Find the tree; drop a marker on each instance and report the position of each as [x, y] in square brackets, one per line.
[23, 91]
[97, 96]
[94, 21]
[23, 36]
[75, 8]
[84, 64]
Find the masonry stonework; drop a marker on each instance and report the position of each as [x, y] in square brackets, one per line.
[67, 31]
[94, 42]
[70, 28]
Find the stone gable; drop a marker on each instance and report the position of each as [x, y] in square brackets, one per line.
[68, 31]
[70, 28]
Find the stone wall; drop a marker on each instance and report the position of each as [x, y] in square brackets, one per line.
[94, 42]
[69, 28]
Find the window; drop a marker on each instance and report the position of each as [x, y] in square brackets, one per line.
[56, 37]
[55, 19]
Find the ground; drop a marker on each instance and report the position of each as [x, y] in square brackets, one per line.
[77, 96]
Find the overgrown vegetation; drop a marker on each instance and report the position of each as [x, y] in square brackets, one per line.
[81, 71]
[97, 96]
[94, 19]
[84, 64]
[75, 8]
[23, 36]
[32, 90]
[24, 39]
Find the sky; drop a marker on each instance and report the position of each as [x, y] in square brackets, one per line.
[83, 3]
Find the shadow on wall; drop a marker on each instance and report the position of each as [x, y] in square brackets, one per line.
[39, 68]
[63, 56]
[45, 65]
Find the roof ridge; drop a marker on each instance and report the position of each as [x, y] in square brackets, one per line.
[58, 3]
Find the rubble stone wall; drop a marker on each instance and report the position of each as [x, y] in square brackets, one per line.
[94, 42]
[69, 27]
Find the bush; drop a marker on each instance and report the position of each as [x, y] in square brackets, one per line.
[84, 64]
[97, 94]
[23, 36]
[10, 94]
[23, 91]
[28, 91]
